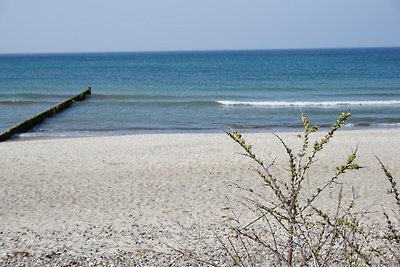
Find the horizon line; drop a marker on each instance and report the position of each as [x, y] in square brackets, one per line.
[197, 50]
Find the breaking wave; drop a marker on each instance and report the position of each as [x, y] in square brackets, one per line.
[309, 103]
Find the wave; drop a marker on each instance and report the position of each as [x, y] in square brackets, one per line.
[77, 132]
[372, 124]
[35, 95]
[162, 103]
[309, 103]
[133, 96]
[161, 97]
[393, 124]
[16, 102]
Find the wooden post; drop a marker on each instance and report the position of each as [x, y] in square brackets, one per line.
[38, 118]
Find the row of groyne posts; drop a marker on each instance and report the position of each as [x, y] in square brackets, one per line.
[38, 118]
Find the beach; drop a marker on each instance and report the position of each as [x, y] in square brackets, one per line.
[213, 133]
[148, 196]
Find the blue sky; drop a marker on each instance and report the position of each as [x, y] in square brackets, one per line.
[154, 25]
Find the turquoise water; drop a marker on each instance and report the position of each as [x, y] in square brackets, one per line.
[201, 91]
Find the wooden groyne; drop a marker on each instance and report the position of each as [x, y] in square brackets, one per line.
[38, 118]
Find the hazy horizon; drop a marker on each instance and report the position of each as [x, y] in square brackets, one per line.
[205, 50]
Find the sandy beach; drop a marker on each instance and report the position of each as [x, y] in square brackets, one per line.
[140, 195]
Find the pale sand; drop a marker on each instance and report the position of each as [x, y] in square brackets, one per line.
[136, 193]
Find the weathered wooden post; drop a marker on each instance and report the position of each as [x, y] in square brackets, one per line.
[31, 122]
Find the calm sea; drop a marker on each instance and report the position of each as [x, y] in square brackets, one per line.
[201, 91]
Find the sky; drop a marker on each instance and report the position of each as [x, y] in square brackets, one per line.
[46, 26]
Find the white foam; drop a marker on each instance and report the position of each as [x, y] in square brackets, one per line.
[394, 124]
[309, 103]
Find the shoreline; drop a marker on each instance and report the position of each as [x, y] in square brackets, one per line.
[38, 136]
[98, 196]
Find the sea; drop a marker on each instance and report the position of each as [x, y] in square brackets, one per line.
[201, 91]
